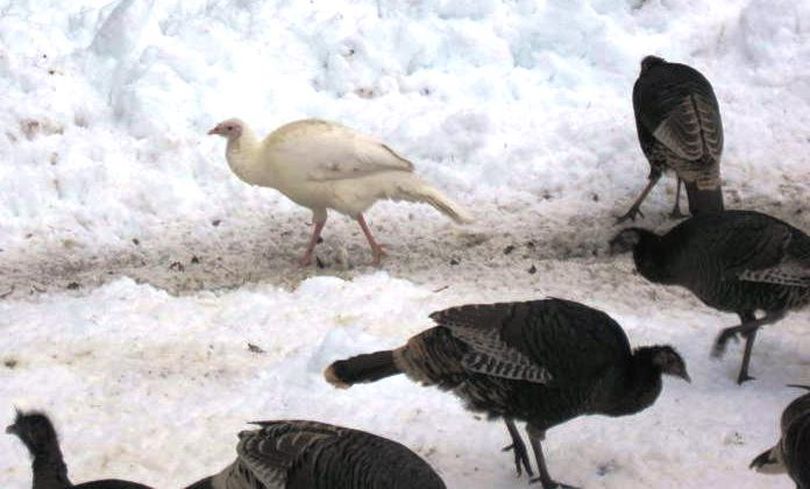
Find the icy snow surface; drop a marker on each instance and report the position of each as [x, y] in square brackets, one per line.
[135, 269]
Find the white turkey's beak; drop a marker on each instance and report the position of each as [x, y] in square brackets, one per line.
[214, 131]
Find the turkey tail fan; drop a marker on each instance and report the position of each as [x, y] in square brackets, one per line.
[369, 367]
[415, 190]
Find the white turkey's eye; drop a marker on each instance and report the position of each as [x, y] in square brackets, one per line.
[229, 128]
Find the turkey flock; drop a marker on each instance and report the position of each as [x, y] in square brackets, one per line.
[542, 362]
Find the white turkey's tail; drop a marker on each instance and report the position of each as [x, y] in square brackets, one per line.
[414, 189]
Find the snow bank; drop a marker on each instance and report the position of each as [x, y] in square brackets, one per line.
[107, 104]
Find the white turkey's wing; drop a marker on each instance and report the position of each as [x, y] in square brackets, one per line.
[319, 151]
[346, 156]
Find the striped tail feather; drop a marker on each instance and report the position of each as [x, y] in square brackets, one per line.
[369, 367]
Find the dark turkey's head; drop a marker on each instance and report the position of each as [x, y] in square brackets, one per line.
[35, 430]
[626, 240]
[229, 129]
[670, 362]
[650, 61]
[650, 259]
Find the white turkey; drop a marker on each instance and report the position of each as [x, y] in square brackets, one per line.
[323, 165]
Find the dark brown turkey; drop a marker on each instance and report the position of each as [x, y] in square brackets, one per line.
[543, 362]
[734, 261]
[312, 455]
[679, 128]
[37, 433]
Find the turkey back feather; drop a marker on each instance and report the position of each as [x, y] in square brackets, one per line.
[297, 454]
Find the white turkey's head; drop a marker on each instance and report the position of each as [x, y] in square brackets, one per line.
[229, 129]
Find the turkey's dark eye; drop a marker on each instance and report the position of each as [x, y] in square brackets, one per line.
[229, 128]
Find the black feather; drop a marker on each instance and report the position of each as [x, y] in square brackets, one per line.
[295, 454]
[734, 261]
[679, 128]
[543, 361]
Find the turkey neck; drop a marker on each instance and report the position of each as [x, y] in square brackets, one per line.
[243, 155]
[642, 384]
[50, 471]
[652, 259]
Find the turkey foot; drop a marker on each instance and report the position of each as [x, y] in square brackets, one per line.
[551, 484]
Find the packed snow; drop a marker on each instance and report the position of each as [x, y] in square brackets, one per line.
[151, 302]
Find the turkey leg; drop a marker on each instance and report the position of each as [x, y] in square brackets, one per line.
[521, 454]
[316, 235]
[676, 211]
[636, 207]
[376, 249]
[536, 436]
[748, 329]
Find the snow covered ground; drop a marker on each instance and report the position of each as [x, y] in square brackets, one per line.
[135, 269]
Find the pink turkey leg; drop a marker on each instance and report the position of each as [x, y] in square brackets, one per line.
[376, 248]
[316, 234]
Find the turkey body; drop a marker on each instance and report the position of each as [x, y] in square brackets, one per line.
[679, 128]
[296, 454]
[734, 261]
[594, 367]
[543, 362]
[323, 165]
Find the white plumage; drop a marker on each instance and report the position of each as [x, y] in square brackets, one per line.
[322, 165]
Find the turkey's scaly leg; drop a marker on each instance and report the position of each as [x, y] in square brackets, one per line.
[376, 249]
[536, 436]
[521, 454]
[676, 211]
[636, 207]
[316, 235]
[747, 329]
